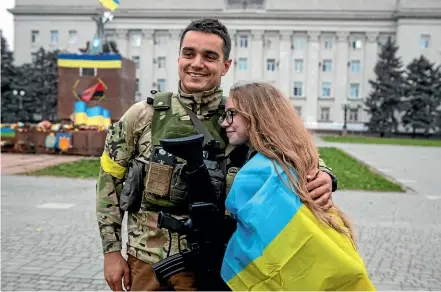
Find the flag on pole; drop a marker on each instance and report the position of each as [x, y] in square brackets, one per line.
[279, 244]
[110, 4]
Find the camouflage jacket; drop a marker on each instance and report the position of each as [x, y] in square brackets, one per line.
[130, 138]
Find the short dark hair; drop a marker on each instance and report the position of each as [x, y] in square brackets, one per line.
[213, 26]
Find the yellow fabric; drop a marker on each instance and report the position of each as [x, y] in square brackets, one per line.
[111, 167]
[107, 122]
[314, 257]
[80, 118]
[95, 121]
[110, 4]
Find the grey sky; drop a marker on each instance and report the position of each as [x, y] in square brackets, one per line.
[7, 21]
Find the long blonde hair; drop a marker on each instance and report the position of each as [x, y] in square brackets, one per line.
[276, 131]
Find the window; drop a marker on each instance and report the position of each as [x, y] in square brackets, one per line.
[324, 114]
[298, 65]
[355, 66]
[357, 44]
[87, 71]
[137, 85]
[424, 41]
[54, 37]
[353, 115]
[243, 41]
[355, 90]
[298, 110]
[35, 36]
[271, 65]
[243, 64]
[135, 39]
[326, 89]
[161, 62]
[136, 60]
[299, 43]
[72, 36]
[327, 66]
[161, 84]
[327, 44]
[298, 88]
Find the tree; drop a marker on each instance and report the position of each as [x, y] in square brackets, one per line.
[384, 102]
[423, 96]
[44, 82]
[8, 71]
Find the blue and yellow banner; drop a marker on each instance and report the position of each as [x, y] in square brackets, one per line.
[7, 132]
[279, 244]
[91, 116]
[110, 4]
[103, 61]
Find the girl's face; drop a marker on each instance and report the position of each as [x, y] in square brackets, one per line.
[235, 124]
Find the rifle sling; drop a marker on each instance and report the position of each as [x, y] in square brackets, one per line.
[200, 127]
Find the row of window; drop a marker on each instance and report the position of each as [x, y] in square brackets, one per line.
[326, 89]
[326, 66]
[325, 114]
[54, 37]
[159, 85]
[271, 64]
[160, 61]
[299, 43]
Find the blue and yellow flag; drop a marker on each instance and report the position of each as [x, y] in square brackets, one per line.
[110, 4]
[279, 244]
[103, 61]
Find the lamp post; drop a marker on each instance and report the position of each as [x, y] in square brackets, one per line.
[345, 127]
[19, 94]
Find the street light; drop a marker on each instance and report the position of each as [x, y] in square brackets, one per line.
[20, 94]
[345, 127]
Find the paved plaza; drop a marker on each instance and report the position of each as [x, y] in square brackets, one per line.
[50, 239]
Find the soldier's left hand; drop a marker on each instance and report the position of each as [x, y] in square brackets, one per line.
[320, 188]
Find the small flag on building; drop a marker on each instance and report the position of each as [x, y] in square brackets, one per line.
[110, 4]
[95, 91]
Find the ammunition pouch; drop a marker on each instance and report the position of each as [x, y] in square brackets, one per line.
[131, 194]
[175, 180]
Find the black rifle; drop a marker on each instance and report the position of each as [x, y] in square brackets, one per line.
[207, 230]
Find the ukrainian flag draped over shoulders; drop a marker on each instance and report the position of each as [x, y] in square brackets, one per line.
[279, 244]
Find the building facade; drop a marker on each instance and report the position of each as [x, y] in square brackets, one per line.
[320, 53]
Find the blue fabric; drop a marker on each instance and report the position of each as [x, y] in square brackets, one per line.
[264, 204]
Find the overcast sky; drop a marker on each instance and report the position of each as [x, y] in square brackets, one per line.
[6, 21]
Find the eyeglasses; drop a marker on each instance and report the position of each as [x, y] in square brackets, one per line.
[228, 116]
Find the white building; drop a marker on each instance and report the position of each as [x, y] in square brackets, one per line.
[320, 53]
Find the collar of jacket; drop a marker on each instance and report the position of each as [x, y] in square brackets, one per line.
[202, 102]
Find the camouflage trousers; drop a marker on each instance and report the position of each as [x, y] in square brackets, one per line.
[142, 278]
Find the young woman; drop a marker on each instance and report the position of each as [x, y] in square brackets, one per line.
[283, 240]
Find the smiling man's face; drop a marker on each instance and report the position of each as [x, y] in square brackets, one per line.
[201, 61]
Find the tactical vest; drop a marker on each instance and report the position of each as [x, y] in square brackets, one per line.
[171, 121]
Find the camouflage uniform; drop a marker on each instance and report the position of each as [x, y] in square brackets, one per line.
[129, 138]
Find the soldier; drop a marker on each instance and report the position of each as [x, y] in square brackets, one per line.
[203, 60]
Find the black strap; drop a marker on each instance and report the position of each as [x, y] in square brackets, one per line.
[197, 123]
